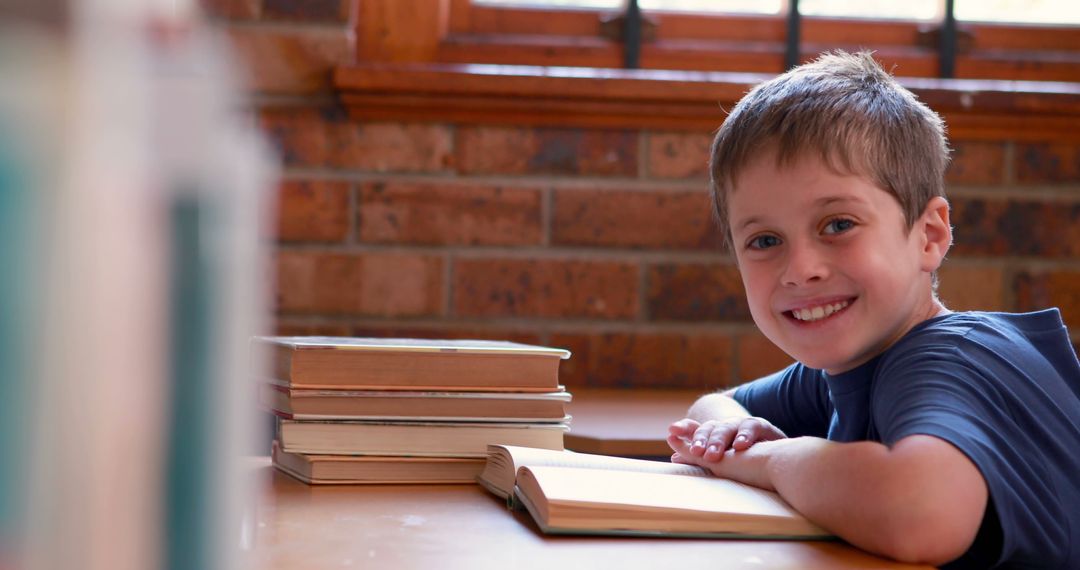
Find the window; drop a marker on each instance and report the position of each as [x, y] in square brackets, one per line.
[750, 35]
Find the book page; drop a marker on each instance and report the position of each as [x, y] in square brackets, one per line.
[625, 488]
[529, 456]
[504, 461]
[590, 499]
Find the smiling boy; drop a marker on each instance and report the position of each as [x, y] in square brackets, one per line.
[906, 429]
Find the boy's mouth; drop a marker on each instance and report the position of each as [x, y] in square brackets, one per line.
[818, 312]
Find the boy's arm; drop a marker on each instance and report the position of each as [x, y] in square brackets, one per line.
[921, 500]
[716, 406]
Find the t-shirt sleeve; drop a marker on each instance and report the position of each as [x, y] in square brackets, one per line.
[941, 392]
[796, 400]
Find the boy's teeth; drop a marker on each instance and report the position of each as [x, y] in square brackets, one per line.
[819, 312]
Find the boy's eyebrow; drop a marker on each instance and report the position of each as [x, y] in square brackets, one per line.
[827, 200]
[819, 203]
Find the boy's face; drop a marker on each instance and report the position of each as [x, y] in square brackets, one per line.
[832, 274]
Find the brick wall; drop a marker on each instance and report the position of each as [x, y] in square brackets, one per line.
[599, 241]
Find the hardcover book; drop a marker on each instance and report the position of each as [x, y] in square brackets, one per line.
[579, 493]
[428, 439]
[364, 469]
[345, 363]
[298, 404]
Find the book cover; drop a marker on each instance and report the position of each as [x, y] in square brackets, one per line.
[411, 364]
[369, 470]
[429, 439]
[298, 404]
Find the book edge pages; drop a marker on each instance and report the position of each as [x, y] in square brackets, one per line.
[324, 418]
[437, 346]
[284, 387]
[313, 481]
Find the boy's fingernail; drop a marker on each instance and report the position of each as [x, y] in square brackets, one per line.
[699, 443]
[740, 437]
[713, 449]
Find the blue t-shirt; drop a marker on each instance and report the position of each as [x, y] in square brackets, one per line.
[1003, 388]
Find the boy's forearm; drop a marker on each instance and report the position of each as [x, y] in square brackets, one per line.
[869, 495]
[716, 406]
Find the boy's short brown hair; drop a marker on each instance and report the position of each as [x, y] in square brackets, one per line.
[847, 110]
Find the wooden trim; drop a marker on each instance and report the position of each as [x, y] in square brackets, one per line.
[669, 100]
[491, 20]
[382, 33]
[750, 43]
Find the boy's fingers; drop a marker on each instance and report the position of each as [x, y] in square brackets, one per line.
[719, 441]
[684, 426]
[678, 444]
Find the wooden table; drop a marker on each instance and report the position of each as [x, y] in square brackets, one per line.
[632, 423]
[445, 527]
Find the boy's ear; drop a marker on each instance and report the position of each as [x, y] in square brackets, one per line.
[936, 233]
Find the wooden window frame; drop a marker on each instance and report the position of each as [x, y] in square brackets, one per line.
[414, 62]
[459, 31]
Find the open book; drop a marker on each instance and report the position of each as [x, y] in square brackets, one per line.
[579, 493]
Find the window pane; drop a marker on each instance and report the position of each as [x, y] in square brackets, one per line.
[721, 6]
[1025, 11]
[907, 10]
[590, 4]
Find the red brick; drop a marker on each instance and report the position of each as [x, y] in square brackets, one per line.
[326, 137]
[1016, 227]
[757, 356]
[381, 284]
[505, 150]
[313, 211]
[679, 155]
[696, 292]
[230, 9]
[295, 61]
[545, 288]
[1047, 163]
[972, 288]
[307, 10]
[1043, 289]
[648, 359]
[658, 219]
[441, 213]
[976, 163]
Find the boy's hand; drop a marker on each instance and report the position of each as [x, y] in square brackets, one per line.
[693, 441]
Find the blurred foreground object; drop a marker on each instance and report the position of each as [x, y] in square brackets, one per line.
[132, 191]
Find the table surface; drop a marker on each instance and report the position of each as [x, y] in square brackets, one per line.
[626, 422]
[462, 526]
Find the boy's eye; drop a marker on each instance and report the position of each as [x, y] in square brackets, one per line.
[763, 242]
[838, 226]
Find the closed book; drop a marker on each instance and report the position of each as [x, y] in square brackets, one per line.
[429, 439]
[346, 363]
[369, 470]
[579, 493]
[299, 404]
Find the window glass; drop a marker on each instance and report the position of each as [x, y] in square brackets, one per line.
[723, 6]
[1019, 11]
[907, 10]
[592, 4]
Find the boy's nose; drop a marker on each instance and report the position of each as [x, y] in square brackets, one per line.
[804, 265]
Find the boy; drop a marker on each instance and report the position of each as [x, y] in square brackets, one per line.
[906, 429]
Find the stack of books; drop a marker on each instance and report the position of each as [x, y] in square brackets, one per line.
[365, 410]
